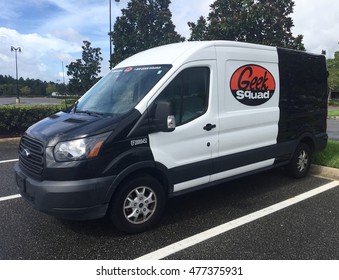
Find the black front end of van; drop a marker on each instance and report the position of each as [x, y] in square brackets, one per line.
[72, 188]
[78, 199]
[69, 162]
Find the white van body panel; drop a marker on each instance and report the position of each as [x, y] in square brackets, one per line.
[190, 143]
[241, 127]
[238, 127]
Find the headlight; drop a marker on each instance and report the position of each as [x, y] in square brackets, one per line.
[80, 148]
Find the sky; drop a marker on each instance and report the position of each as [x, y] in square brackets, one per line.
[50, 33]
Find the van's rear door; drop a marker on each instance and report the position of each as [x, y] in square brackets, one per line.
[248, 109]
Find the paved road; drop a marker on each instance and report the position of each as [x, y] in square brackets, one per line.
[330, 108]
[307, 230]
[333, 129]
[28, 100]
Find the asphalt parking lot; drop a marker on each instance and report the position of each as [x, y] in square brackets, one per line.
[306, 230]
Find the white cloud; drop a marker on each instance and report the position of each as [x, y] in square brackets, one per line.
[40, 57]
[68, 34]
[181, 14]
[318, 21]
[86, 17]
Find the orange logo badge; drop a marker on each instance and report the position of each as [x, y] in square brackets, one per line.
[252, 85]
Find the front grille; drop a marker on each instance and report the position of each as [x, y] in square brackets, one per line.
[31, 155]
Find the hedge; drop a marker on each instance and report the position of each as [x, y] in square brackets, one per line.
[15, 119]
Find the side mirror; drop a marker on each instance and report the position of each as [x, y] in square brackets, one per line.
[164, 119]
[158, 118]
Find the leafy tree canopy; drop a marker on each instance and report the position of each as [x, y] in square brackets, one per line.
[84, 72]
[26, 86]
[265, 22]
[144, 24]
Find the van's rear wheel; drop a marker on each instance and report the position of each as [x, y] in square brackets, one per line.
[138, 204]
[301, 161]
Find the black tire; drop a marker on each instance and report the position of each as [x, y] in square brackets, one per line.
[301, 161]
[138, 204]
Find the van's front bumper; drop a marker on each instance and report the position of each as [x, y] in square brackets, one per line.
[75, 200]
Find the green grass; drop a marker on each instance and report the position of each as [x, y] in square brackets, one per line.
[333, 102]
[329, 156]
[333, 113]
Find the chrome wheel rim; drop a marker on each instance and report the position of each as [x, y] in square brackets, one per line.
[302, 161]
[140, 205]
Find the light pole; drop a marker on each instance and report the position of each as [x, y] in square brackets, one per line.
[110, 32]
[16, 70]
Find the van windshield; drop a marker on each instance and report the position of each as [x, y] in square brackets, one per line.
[120, 90]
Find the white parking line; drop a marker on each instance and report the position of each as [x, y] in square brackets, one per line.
[10, 197]
[200, 237]
[9, 160]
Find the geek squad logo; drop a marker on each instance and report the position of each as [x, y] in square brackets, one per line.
[252, 85]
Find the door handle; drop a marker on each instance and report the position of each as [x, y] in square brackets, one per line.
[209, 126]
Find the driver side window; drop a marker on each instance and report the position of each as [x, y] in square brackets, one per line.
[188, 93]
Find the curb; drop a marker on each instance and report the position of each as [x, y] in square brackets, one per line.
[14, 140]
[325, 172]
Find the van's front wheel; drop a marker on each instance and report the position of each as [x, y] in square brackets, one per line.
[301, 161]
[138, 204]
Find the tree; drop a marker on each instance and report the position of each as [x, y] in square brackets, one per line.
[144, 24]
[27, 87]
[333, 69]
[51, 87]
[255, 21]
[25, 90]
[84, 72]
[7, 90]
[199, 31]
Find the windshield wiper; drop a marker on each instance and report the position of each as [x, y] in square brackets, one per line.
[89, 113]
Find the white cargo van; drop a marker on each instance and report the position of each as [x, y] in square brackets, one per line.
[173, 119]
